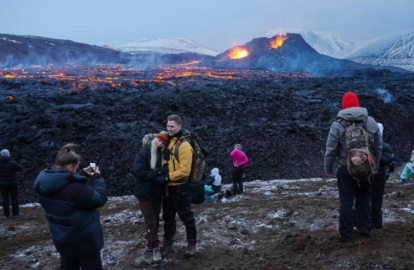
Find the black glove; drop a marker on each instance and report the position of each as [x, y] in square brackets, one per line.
[161, 179]
[162, 170]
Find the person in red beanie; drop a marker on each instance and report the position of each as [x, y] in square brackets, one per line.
[349, 100]
[349, 188]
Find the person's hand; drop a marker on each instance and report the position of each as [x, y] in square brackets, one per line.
[90, 171]
[162, 170]
[161, 180]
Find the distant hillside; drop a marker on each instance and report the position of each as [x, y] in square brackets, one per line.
[393, 50]
[30, 50]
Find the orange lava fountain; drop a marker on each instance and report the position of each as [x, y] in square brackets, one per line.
[278, 41]
[237, 52]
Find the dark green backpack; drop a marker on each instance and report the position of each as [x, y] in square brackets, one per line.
[359, 160]
[199, 155]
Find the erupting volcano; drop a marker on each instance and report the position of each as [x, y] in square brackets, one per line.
[277, 41]
[237, 52]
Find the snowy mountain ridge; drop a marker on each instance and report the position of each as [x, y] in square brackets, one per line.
[323, 43]
[392, 50]
[164, 46]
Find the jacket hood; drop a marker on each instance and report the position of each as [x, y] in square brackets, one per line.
[49, 181]
[146, 141]
[5, 159]
[184, 134]
[354, 114]
[215, 172]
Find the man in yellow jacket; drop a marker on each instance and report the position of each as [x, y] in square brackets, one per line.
[177, 198]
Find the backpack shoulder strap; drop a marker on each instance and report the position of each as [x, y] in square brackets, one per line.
[343, 122]
[177, 145]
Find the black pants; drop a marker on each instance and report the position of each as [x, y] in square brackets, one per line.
[237, 174]
[6, 193]
[378, 186]
[90, 263]
[348, 192]
[151, 212]
[178, 201]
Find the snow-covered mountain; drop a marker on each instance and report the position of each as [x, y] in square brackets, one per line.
[164, 46]
[393, 50]
[322, 43]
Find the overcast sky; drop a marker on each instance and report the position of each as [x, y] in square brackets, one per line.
[217, 24]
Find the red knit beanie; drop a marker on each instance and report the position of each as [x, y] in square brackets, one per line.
[349, 100]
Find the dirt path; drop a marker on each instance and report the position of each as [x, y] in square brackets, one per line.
[275, 225]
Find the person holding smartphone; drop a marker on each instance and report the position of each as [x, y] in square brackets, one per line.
[71, 203]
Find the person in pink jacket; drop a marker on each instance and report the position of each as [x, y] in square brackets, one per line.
[239, 161]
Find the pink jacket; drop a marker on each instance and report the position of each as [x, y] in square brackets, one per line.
[239, 157]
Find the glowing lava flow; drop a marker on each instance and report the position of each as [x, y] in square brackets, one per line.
[237, 53]
[277, 41]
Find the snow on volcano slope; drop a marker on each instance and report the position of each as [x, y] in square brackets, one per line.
[393, 50]
[164, 46]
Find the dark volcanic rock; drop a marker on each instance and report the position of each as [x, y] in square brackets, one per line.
[282, 123]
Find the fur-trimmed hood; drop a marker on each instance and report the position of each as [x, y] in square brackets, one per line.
[146, 141]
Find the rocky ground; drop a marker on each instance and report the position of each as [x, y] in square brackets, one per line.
[281, 122]
[278, 224]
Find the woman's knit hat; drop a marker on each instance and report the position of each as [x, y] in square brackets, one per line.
[162, 136]
[349, 100]
[238, 146]
[5, 153]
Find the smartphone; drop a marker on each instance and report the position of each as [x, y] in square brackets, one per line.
[93, 166]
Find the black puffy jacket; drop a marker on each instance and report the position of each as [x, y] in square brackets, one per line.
[8, 169]
[387, 159]
[145, 186]
[70, 206]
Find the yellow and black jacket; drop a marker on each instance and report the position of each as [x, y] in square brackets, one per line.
[180, 168]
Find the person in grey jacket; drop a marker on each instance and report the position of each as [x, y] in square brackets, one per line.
[349, 188]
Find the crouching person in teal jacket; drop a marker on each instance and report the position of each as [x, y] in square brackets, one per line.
[408, 169]
[70, 206]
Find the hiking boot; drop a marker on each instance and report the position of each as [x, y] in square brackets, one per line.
[365, 233]
[156, 255]
[167, 248]
[191, 249]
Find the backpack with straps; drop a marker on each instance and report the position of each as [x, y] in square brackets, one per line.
[199, 154]
[359, 160]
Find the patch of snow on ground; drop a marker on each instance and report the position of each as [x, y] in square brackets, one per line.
[34, 255]
[125, 216]
[30, 205]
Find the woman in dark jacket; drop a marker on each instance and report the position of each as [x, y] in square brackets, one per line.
[8, 183]
[70, 206]
[150, 180]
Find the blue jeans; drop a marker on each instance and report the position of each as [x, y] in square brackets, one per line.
[348, 192]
